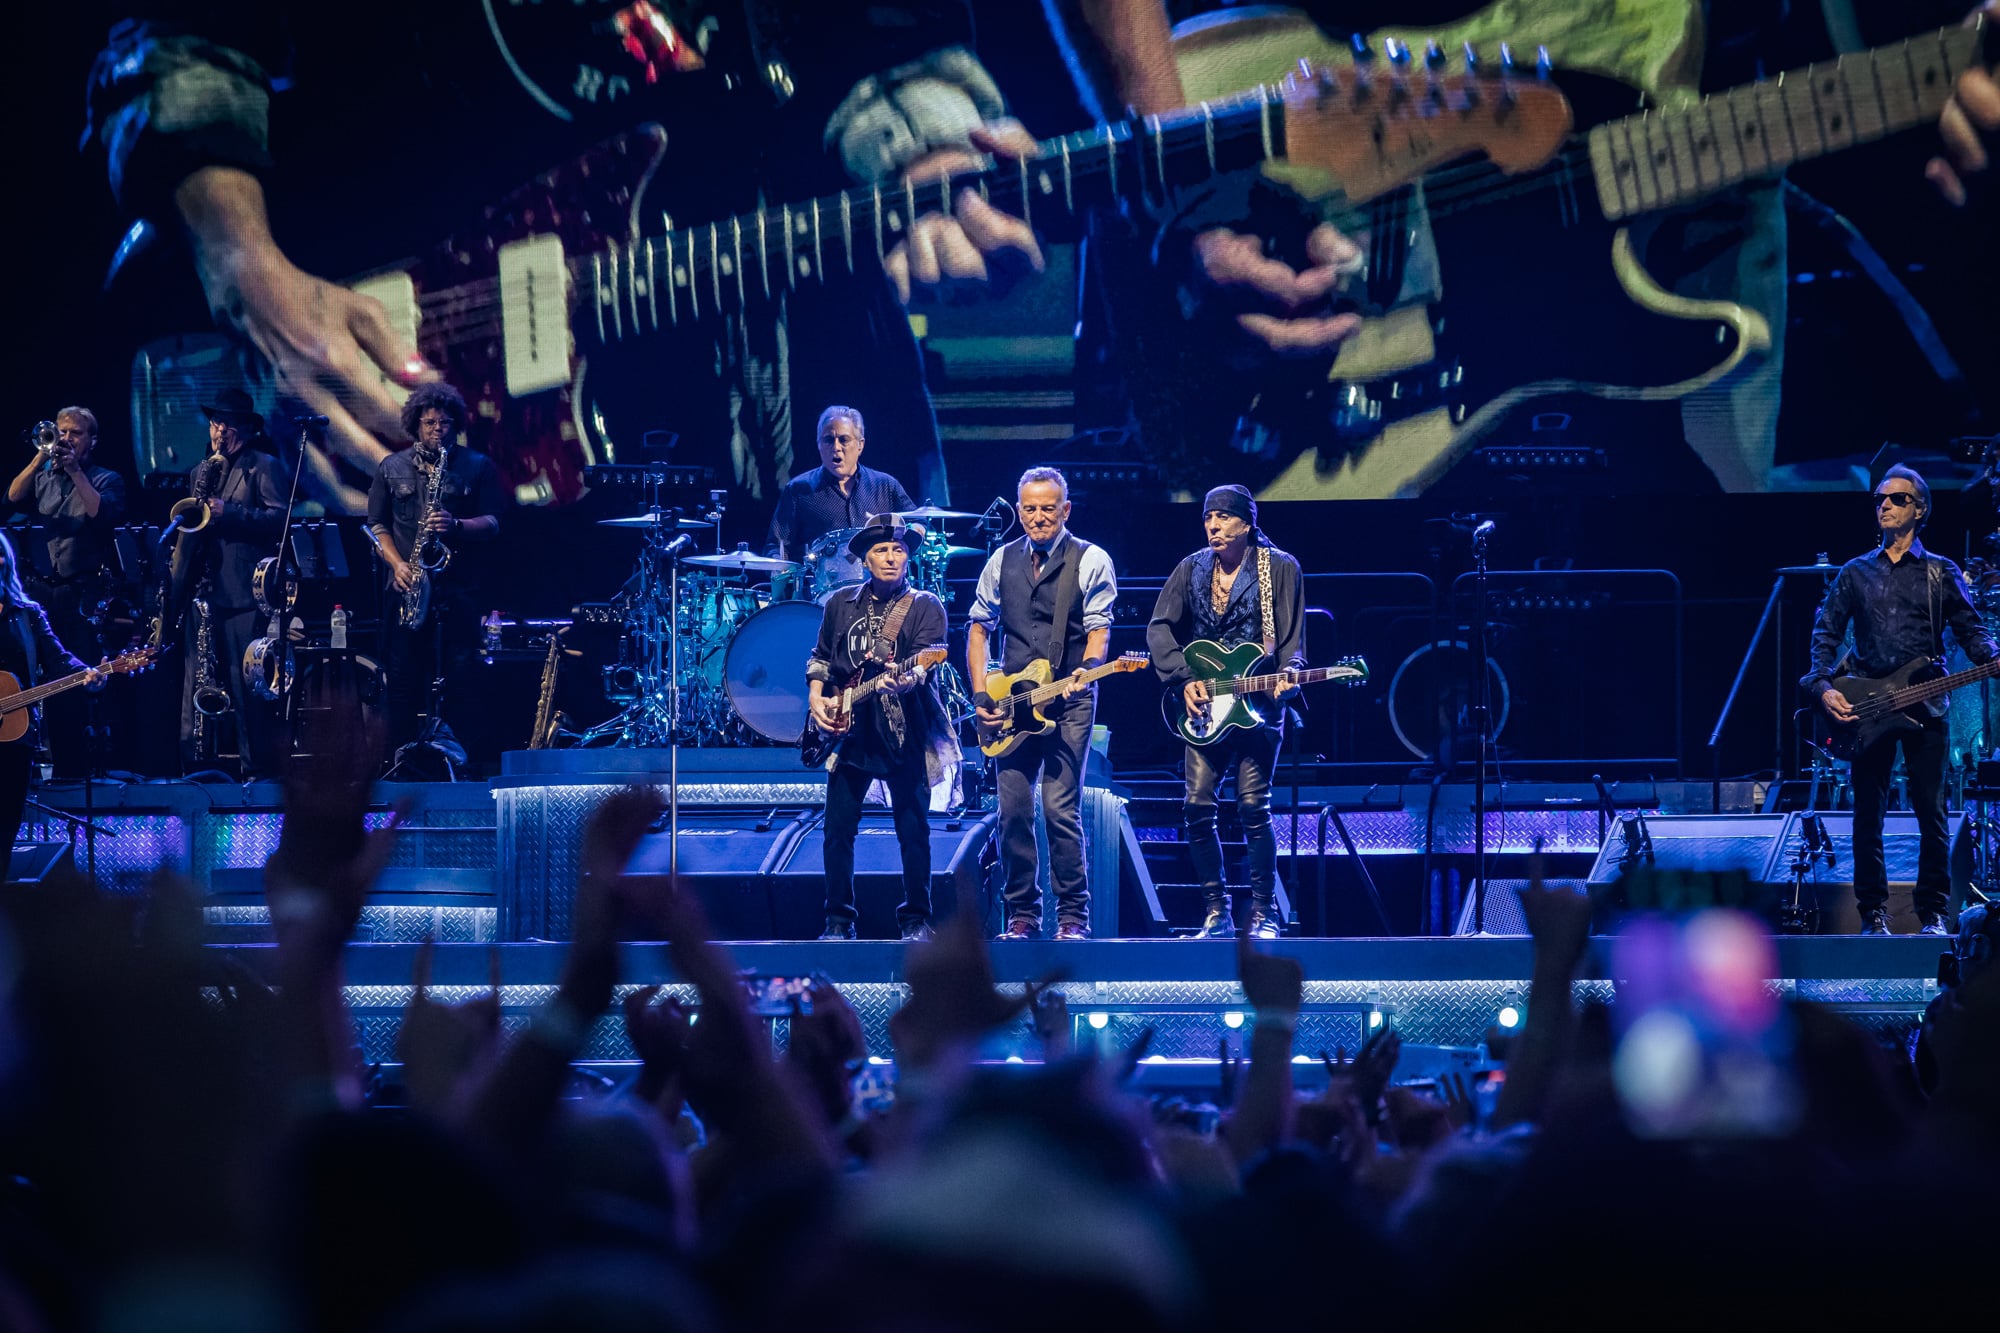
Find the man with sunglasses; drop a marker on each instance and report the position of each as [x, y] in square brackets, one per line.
[1898, 599]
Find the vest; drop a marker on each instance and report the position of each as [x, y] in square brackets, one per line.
[1028, 606]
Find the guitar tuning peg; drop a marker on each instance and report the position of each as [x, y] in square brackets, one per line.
[1433, 56]
[1305, 70]
[1542, 64]
[1506, 58]
[1471, 59]
[1363, 53]
[1398, 52]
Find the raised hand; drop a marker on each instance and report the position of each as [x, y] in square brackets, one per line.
[952, 1000]
[1558, 922]
[327, 861]
[827, 1048]
[1270, 981]
[444, 1046]
[1048, 1015]
[658, 1033]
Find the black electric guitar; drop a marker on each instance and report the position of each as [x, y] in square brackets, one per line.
[15, 701]
[1886, 705]
[1232, 676]
[819, 746]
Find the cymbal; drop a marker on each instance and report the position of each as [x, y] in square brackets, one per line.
[654, 521]
[953, 552]
[1810, 569]
[740, 560]
[932, 511]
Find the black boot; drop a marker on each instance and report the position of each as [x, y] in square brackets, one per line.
[1220, 925]
[1264, 923]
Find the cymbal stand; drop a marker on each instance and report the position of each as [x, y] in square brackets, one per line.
[652, 719]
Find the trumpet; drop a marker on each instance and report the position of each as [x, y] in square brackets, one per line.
[44, 436]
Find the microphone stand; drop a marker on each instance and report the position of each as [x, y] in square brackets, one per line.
[1484, 709]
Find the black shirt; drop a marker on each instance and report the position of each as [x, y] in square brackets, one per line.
[472, 489]
[847, 630]
[811, 506]
[78, 543]
[1898, 610]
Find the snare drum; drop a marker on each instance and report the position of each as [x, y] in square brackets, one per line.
[832, 566]
[765, 675]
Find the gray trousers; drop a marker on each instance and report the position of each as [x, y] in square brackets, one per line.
[1056, 761]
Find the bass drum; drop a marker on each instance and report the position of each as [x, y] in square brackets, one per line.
[765, 675]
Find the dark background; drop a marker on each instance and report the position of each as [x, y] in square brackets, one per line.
[1853, 385]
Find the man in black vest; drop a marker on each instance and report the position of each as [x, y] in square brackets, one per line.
[1049, 597]
[1221, 593]
[246, 501]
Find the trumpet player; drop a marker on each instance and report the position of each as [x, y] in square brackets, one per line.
[237, 514]
[428, 503]
[78, 506]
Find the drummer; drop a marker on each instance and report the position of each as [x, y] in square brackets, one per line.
[839, 493]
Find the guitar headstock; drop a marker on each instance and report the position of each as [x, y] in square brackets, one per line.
[930, 657]
[1130, 661]
[132, 660]
[1377, 125]
[1349, 670]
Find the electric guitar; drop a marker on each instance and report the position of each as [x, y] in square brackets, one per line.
[1528, 307]
[819, 746]
[1026, 691]
[15, 701]
[1229, 673]
[1884, 706]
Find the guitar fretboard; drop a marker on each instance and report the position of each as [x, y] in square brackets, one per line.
[683, 275]
[1278, 680]
[1912, 695]
[1668, 157]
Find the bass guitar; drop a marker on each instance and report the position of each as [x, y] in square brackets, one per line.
[1886, 705]
[1026, 691]
[818, 746]
[15, 701]
[1229, 673]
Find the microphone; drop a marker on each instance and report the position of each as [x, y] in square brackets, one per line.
[679, 544]
[1482, 532]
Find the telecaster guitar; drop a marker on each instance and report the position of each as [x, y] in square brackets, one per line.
[1885, 705]
[819, 747]
[1026, 691]
[15, 701]
[1231, 676]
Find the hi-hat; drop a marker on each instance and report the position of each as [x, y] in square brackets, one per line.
[932, 511]
[742, 560]
[1809, 569]
[656, 519]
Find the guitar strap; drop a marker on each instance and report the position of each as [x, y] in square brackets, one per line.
[884, 647]
[1269, 624]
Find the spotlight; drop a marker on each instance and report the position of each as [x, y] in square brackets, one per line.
[1098, 1018]
[1015, 1060]
[1233, 1019]
[1509, 1016]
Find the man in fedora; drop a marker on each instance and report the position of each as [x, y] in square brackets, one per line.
[897, 734]
[246, 507]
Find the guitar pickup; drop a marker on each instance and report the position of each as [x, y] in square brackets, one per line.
[534, 315]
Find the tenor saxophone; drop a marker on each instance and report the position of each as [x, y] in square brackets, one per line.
[209, 698]
[548, 722]
[430, 555]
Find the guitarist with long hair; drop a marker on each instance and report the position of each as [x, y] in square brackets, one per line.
[1898, 599]
[30, 650]
[1237, 589]
[898, 735]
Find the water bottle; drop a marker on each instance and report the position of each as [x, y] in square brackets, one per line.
[339, 625]
[491, 626]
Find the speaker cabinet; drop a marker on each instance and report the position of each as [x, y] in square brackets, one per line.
[34, 862]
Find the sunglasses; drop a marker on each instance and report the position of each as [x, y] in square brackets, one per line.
[1900, 499]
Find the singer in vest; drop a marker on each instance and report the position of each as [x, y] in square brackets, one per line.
[246, 503]
[445, 645]
[1047, 596]
[897, 734]
[1236, 589]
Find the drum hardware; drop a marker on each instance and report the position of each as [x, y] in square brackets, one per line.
[929, 512]
[267, 662]
[657, 518]
[669, 476]
[831, 566]
[654, 716]
[741, 560]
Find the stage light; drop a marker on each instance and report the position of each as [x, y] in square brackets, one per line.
[1302, 1059]
[1510, 1016]
[1015, 1060]
[1233, 1018]
[878, 1060]
[1374, 1018]
[1098, 1018]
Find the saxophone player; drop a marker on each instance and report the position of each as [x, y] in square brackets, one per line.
[244, 496]
[427, 503]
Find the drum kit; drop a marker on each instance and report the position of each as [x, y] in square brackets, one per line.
[715, 645]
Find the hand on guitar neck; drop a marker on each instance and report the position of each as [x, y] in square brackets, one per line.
[1967, 126]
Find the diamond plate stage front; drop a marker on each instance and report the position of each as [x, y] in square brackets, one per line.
[483, 865]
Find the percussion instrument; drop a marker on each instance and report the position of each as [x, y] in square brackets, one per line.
[765, 673]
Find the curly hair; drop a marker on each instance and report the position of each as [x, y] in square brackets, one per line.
[439, 397]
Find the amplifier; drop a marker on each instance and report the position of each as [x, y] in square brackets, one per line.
[36, 862]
